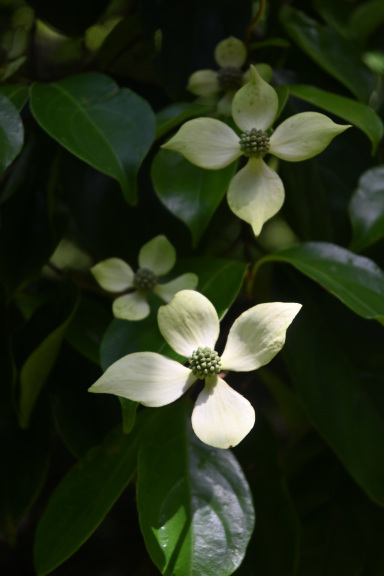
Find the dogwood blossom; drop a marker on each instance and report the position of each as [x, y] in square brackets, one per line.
[230, 55]
[256, 192]
[189, 323]
[156, 258]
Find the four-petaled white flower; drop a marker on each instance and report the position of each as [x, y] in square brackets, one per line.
[221, 416]
[230, 55]
[156, 258]
[256, 193]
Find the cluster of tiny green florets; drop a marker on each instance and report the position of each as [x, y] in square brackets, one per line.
[230, 78]
[204, 362]
[254, 143]
[144, 279]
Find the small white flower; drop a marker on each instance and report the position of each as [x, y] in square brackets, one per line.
[221, 416]
[256, 193]
[230, 55]
[156, 258]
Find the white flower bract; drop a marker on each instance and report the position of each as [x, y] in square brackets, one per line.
[156, 258]
[256, 193]
[221, 417]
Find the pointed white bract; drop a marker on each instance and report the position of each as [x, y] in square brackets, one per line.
[189, 321]
[156, 258]
[256, 193]
[221, 417]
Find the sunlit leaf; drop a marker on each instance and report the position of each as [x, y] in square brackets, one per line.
[195, 507]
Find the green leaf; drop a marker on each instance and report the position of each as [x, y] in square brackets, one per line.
[195, 507]
[357, 281]
[110, 128]
[356, 113]
[333, 397]
[36, 369]
[366, 209]
[330, 51]
[16, 93]
[190, 193]
[170, 117]
[11, 133]
[83, 498]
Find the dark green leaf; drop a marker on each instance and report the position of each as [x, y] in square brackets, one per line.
[367, 209]
[128, 409]
[174, 114]
[16, 93]
[330, 51]
[357, 281]
[83, 498]
[24, 460]
[191, 193]
[195, 507]
[274, 544]
[111, 129]
[87, 328]
[333, 397]
[366, 18]
[36, 369]
[356, 113]
[11, 133]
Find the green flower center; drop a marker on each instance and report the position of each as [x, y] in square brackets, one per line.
[144, 279]
[254, 144]
[204, 362]
[230, 78]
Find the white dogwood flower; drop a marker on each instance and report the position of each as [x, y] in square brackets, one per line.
[221, 417]
[230, 55]
[256, 193]
[156, 258]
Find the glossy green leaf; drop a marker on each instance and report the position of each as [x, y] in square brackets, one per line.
[354, 112]
[330, 51]
[366, 209]
[170, 117]
[190, 193]
[36, 369]
[83, 498]
[111, 129]
[195, 506]
[11, 133]
[16, 93]
[333, 396]
[357, 281]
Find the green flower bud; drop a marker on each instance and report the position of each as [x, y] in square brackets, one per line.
[254, 144]
[204, 362]
[144, 279]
